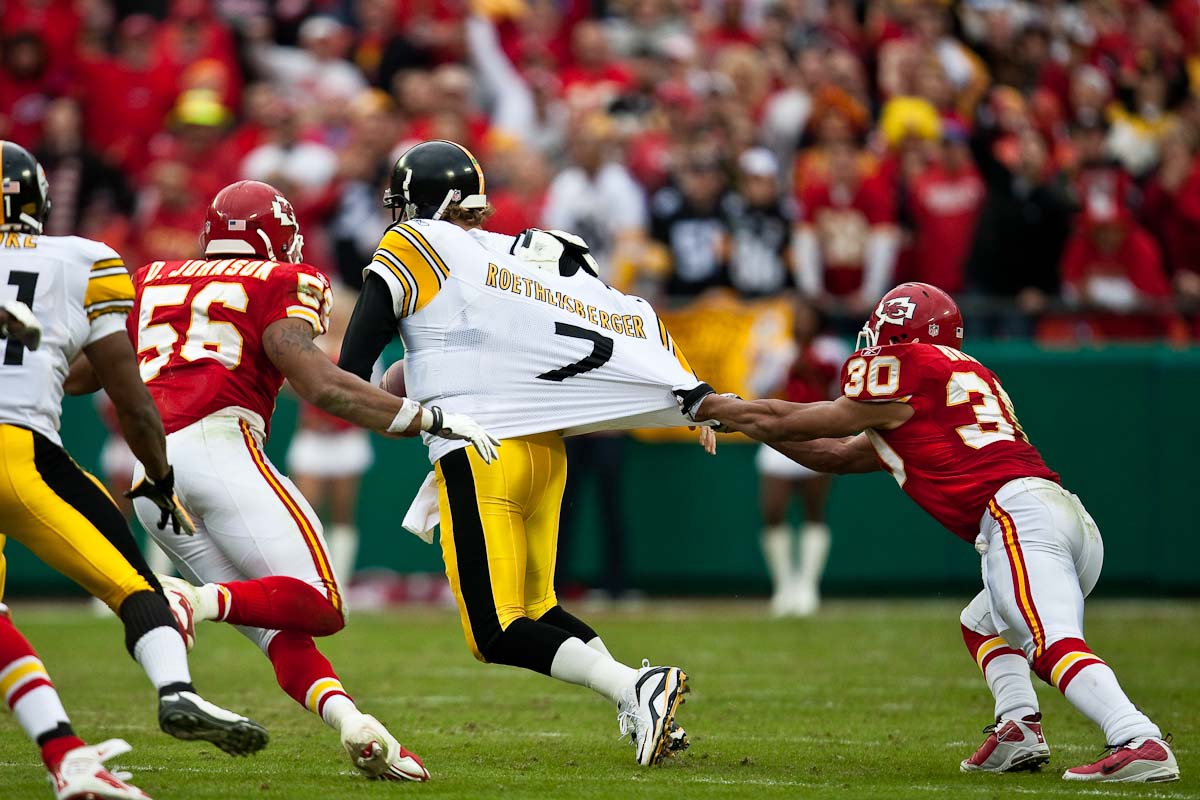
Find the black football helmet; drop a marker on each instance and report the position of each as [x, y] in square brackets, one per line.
[24, 189]
[432, 176]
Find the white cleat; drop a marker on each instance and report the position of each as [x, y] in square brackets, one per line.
[81, 774]
[184, 601]
[1012, 745]
[646, 713]
[1144, 760]
[377, 754]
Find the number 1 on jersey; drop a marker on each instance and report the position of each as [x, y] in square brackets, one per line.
[26, 283]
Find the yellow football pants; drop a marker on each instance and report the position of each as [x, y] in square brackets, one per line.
[499, 531]
[66, 517]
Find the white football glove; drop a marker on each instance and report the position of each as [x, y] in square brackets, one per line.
[459, 426]
[31, 330]
[555, 251]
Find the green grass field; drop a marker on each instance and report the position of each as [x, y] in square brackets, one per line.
[870, 700]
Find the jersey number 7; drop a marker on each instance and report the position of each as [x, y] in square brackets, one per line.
[602, 351]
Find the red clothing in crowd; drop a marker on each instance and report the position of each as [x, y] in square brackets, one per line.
[1175, 218]
[1136, 263]
[124, 107]
[514, 212]
[945, 208]
[56, 22]
[842, 219]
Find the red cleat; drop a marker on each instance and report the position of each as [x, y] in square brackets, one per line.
[1144, 760]
[1012, 745]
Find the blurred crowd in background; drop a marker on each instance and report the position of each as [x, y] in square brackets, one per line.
[1036, 158]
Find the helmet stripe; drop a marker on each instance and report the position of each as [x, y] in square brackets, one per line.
[474, 163]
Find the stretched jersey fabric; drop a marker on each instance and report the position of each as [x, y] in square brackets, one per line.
[963, 441]
[80, 292]
[197, 327]
[523, 350]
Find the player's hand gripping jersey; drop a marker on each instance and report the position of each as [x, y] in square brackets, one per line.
[963, 441]
[520, 349]
[197, 327]
[80, 292]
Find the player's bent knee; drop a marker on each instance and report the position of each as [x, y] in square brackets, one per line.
[142, 612]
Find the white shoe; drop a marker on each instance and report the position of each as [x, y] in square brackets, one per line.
[81, 774]
[184, 601]
[1144, 760]
[646, 713]
[780, 603]
[376, 752]
[1014, 745]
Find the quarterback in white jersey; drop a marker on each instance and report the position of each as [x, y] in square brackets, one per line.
[78, 293]
[519, 333]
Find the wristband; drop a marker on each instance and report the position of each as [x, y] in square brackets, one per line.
[432, 420]
[404, 417]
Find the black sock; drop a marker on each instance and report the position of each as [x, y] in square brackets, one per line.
[528, 644]
[57, 732]
[142, 612]
[559, 618]
[171, 688]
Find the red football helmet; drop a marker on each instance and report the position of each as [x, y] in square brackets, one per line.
[251, 218]
[913, 312]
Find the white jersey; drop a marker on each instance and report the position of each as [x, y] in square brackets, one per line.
[520, 349]
[80, 293]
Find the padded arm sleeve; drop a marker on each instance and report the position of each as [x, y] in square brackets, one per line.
[371, 327]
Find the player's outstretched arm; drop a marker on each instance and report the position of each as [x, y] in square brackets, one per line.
[778, 420]
[289, 344]
[114, 366]
[845, 456]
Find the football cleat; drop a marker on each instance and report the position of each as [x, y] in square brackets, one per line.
[81, 774]
[646, 713]
[186, 715]
[1143, 760]
[1012, 745]
[377, 754]
[183, 600]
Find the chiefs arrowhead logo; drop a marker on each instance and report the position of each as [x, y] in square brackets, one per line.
[896, 310]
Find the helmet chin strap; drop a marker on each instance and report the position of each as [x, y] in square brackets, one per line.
[868, 335]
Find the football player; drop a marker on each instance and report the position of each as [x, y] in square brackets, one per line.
[61, 295]
[520, 333]
[216, 337]
[943, 426]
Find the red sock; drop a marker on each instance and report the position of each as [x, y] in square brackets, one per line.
[302, 672]
[282, 603]
[54, 750]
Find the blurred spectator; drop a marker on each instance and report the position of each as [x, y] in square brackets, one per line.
[594, 78]
[1112, 264]
[382, 52]
[847, 242]
[760, 223]
[132, 86]
[944, 199]
[28, 81]
[517, 184]
[596, 198]
[170, 214]
[1172, 210]
[689, 219]
[196, 139]
[86, 188]
[317, 69]
[1022, 227]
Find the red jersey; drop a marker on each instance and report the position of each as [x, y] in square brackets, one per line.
[197, 327]
[945, 206]
[963, 441]
[842, 219]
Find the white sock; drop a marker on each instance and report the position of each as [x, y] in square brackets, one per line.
[581, 665]
[1008, 679]
[777, 552]
[599, 647]
[814, 553]
[1095, 692]
[161, 653]
[343, 546]
[39, 710]
[337, 709]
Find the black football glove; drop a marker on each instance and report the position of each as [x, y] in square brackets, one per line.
[162, 494]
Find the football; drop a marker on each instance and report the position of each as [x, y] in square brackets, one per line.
[393, 379]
